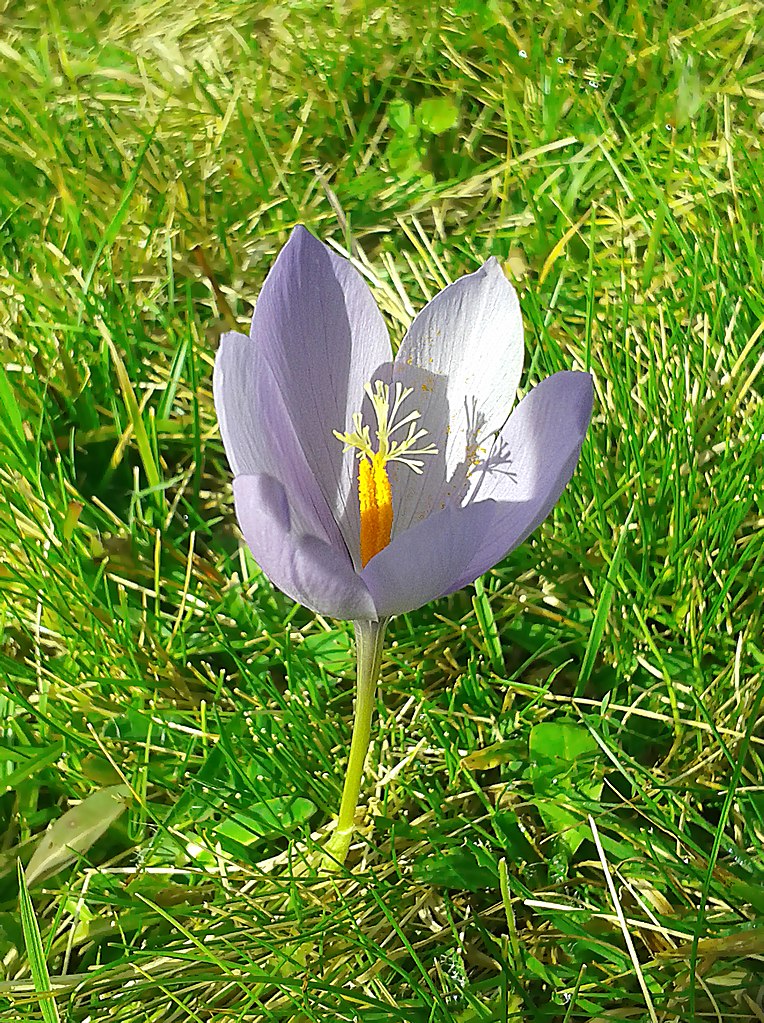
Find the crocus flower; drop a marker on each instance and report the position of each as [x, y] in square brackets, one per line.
[367, 485]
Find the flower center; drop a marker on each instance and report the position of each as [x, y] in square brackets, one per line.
[375, 495]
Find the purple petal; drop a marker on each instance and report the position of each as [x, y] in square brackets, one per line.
[531, 464]
[463, 355]
[259, 436]
[304, 566]
[422, 563]
[511, 493]
[323, 338]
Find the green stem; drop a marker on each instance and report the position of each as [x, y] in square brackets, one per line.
[369, 639]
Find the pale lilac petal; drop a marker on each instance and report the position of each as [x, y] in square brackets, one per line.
[306, 567]
[259, 436]
[421, 564]
[463, 355]
[534, 458]
[510, 496]
[550, 422]
[323, 338]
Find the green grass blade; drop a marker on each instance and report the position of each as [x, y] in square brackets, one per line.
[36, 953]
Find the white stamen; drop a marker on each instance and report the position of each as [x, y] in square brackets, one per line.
[404, 450]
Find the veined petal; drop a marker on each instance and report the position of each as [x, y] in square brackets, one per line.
[422, 563]
[466, 345]
[306, 567]
[323, 338]
[259, 436]
[511, 493]
[530, 465]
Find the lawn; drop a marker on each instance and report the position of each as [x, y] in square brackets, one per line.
[564, 799]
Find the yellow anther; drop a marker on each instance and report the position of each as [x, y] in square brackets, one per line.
[376, 500]
[374, 493]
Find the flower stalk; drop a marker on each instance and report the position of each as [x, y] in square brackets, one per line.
[369, 638]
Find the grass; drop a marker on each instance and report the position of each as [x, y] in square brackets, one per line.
[565, 792]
